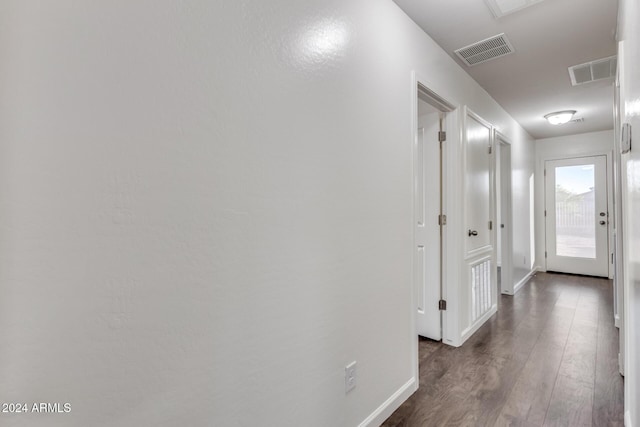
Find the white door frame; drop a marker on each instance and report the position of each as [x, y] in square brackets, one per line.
[422, 85]
[618, 225]
[505, 197]
[608, 198]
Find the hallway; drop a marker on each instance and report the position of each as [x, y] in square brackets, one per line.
[548, 357]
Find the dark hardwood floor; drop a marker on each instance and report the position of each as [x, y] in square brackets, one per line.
[549, 357]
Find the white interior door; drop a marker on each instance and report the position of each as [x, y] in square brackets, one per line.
[576, 216]
[426, 229]
[478, 186]
[480, 237]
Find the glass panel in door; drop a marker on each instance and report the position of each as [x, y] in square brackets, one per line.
[575, 211]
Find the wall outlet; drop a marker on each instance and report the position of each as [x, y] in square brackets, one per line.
[350, 377]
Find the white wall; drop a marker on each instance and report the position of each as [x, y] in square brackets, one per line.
[205, 208]
[523, 166]
[629, 72]
[584, 144]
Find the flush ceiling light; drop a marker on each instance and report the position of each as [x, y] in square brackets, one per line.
[560, 117]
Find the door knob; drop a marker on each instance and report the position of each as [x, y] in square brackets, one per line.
[473, 233]
[603, 222]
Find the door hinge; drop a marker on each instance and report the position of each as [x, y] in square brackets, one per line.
[490, 225]
[545, 212]
[442, 136]
[545, 172]
[442, 305]
[545, 254]
[442, 220]
[490, 149]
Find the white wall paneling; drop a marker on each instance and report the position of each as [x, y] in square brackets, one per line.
[481, 280]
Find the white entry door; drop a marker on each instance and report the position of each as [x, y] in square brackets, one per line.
[576, 216]
[426, 264]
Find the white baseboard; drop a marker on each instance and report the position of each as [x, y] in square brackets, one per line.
[471, 330]
[627, 419]
[385, 410]
[525, 279]
[620, 364]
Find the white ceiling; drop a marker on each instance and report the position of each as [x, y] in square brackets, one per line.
[548, 37]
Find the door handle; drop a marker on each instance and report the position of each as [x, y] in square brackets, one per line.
[603, 222]
[473, 233]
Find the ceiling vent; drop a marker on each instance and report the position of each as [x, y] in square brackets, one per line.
[484, 50]
[599, 69]
[500, 8]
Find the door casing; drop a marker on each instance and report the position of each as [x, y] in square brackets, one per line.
[420, 86]
[505, 209]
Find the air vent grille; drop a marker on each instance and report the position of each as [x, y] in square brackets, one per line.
[588, 72]
[484, 50]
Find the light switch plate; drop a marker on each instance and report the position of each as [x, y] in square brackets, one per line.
[350, 377]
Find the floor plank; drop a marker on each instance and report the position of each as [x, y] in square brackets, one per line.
[548, 357]
[571, 403]
[529, 398]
